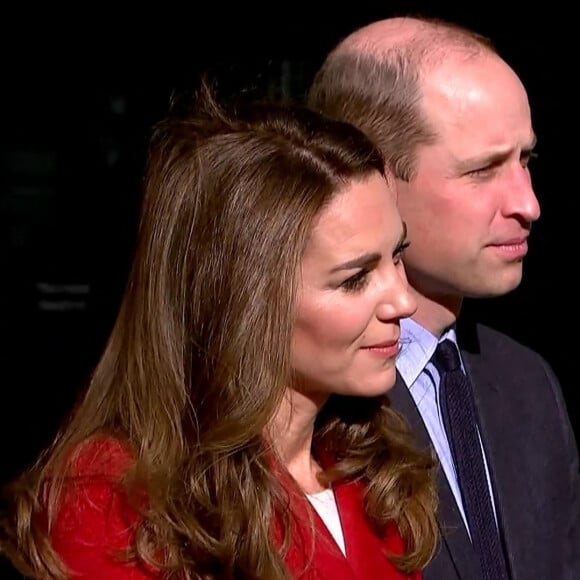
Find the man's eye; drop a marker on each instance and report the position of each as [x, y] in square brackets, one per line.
[527, 158]
[482, 171]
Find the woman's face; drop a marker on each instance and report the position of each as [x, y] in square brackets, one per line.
[352, 294]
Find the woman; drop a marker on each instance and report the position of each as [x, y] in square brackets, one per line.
[236, 425]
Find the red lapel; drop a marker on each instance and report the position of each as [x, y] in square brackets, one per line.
[314, 555]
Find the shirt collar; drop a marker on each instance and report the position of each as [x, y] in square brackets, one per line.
[417, 347]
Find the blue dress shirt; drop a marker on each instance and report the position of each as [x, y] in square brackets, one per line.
[422, 379]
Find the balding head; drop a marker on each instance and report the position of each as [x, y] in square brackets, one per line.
[418, 36]
[374, 79]
[383, 35]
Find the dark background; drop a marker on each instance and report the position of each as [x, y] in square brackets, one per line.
[79, 95]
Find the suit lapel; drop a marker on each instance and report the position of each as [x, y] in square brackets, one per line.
[313, 553]
[512, 490]
[366, 551]
[363, 548]
[453, 533]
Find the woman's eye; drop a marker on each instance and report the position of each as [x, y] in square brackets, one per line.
[398, 254]
[356, 282]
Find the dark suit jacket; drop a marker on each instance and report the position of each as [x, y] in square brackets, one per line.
[532, 457]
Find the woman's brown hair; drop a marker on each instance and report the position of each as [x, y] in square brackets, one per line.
[199, 357]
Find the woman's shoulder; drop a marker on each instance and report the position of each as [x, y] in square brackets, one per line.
[100, 457]
[91, 491]
[95, 517]
[92, 486]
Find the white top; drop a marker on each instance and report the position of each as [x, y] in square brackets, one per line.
[324, 503]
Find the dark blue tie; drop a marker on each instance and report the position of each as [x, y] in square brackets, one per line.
[460, 422]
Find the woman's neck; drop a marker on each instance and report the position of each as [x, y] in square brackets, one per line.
[291, 432]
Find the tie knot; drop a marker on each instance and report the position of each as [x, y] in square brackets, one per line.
[447, 356]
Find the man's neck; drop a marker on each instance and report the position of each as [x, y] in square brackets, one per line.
[436, 313]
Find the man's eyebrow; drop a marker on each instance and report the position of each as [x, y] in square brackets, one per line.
[531, 145]
[493, 158]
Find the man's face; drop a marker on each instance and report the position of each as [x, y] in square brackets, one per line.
[470, 206]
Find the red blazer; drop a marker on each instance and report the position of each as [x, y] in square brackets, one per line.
[366, 552]
[95, 520]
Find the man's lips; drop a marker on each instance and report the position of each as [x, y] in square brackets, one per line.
[511, 242]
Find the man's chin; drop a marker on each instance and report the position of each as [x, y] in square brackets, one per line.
[499, 286]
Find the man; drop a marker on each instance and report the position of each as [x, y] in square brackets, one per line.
[454, 123]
